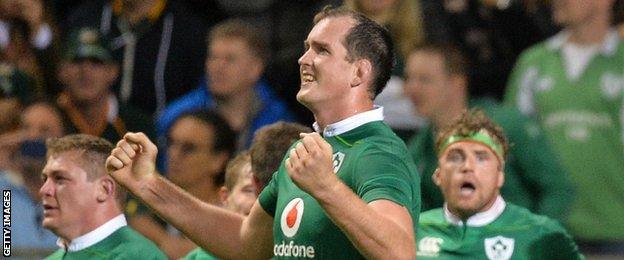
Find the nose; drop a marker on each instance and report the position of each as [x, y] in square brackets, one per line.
[213, 64]
[410, 87]
[47, 188]
[172, 152]
[469, 164]
[306, 58]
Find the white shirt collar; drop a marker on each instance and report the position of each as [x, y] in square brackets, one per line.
[608, 47]
[94, 236]
[479, 219]
[352, 122]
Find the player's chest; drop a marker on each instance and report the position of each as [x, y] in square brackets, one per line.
[473, 244]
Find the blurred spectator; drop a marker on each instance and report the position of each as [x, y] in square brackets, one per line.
[27, 40]
[200, 145]
[26, 150]
[234, 85]
[89, 106]
[158, 43]
[16, 89]
[237, 195]
[437, 83]
[573, 85]
[83, 205]
[492, 34]
[403, 18]
[269, 147]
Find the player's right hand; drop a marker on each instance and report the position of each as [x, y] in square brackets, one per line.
[133, 160]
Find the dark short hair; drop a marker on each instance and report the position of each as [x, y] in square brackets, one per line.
[94, 149]
[366, 40]
[455, 62]
[256, 41]
[224, 137]
[270, 144]
[470, 122]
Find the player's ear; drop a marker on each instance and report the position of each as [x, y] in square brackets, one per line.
[224, 193]
[362, 72]
[436, 177]
[105, 189]
[501, 177]
[257, 183]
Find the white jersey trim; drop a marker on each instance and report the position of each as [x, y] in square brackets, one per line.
[479, 219]
[350, 123]
[95, 236]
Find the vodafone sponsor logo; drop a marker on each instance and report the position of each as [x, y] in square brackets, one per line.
[291, 217]
[293, 250]
[290, 222]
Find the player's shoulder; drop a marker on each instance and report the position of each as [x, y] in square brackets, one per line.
[539, 224]
[381, 139]
[133, 245]
[433, 217]
[58, 254]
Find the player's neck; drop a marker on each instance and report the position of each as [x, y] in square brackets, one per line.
[106, 212]
[327, 115]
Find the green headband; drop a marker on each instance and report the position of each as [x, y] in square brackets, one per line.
[482, 136]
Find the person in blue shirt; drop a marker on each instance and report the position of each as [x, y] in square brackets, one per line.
[237, 55]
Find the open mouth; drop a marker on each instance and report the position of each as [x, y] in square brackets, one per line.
[306, 78]
[467, 188]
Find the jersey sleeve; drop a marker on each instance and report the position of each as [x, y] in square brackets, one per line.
[555, 243]
[389, 176]
[268, 196]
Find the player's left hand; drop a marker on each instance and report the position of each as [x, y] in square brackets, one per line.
[310, 165]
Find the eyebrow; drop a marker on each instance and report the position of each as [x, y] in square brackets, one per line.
[482, 152]
[308, 43]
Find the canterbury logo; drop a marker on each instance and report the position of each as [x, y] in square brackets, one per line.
[429, 246]
[291, 217]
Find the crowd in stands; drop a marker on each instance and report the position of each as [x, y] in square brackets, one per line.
[213, 83]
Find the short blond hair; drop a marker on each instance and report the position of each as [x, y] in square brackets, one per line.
[234, 169]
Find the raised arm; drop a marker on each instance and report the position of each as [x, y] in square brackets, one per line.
[381, 229]
[223, 233]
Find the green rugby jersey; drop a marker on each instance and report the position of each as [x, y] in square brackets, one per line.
[124, 243]
[515, 234]
[372, 161]
[584, 119]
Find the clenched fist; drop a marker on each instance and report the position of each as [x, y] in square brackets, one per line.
[310, 165]
[133, 160]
